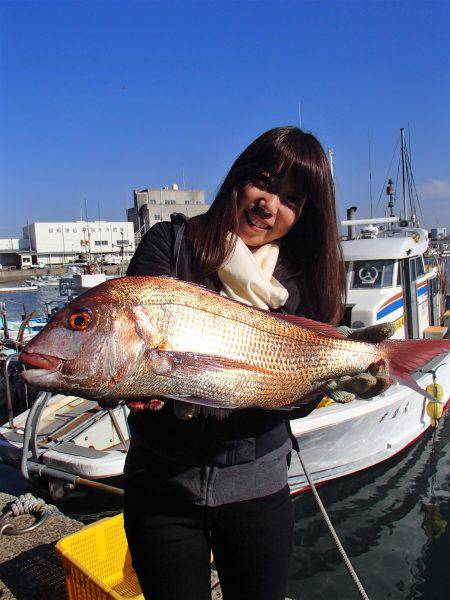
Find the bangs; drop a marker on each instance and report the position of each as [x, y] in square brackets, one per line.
[272, 163]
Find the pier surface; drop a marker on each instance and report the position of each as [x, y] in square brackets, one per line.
[30, 568]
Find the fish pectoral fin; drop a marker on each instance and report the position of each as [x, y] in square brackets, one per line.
[189, 362]
[182, 364]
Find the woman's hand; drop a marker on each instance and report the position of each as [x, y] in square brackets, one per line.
[369, 383]
[182, 410]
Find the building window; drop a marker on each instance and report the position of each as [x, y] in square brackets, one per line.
[50, 230]
[26, 259]
[170, 202]
[157, 217]
[122, 242]
[74, 230]
[101, 243]
[67, 230]
[59, 230]
[107, 229]
[152, 201]
[187, 201]
[115, 229]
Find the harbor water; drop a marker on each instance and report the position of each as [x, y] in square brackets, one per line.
[393, 519]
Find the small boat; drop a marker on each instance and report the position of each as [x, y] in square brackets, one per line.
[44, 281]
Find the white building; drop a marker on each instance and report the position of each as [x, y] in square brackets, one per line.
[9, 244]
[56, 243]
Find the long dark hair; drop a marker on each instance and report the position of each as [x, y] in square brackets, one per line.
[311, 250]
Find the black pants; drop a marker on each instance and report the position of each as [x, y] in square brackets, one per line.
[170, 543]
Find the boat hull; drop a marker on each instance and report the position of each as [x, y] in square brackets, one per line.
[339, 440]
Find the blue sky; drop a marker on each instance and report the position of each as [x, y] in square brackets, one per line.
[98, 98]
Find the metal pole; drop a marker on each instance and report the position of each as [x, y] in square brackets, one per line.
[405, 208]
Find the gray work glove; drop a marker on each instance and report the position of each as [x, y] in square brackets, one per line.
[369, 383]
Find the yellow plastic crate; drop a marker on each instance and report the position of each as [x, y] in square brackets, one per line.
[97, 562]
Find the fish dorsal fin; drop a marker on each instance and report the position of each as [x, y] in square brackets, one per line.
[324, 329]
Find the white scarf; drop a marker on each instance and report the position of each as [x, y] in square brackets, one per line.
[248, 276]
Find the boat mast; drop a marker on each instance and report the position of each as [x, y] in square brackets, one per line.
[405, 209]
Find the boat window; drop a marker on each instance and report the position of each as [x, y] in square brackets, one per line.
[412, 268]
[419, 266]
[373, 273]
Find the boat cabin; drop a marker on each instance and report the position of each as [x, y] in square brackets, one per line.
[377, 264]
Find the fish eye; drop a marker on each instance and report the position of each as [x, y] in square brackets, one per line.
[80, 320]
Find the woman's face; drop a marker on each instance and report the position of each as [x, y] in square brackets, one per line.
[264, 217]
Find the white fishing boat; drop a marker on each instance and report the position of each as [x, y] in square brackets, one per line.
[393, 274]
[340, 439]
[389, 278]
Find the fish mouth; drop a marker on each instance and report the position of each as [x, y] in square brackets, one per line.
[40, 361]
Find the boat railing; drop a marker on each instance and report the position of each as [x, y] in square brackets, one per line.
[31, 463]
[7, 388]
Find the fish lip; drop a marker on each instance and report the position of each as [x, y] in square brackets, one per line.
[40, 361]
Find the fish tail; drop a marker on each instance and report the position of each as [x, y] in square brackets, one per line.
[405, 356]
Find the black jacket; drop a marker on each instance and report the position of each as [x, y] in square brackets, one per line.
[165, 449]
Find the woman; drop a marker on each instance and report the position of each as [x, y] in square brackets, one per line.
[199, 479]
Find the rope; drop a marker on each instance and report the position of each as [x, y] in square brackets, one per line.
[27, 504]
[342, 552]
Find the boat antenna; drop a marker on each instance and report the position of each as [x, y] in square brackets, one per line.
[386, 177]
[390, 193]
[405, 208]
[370, 178]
